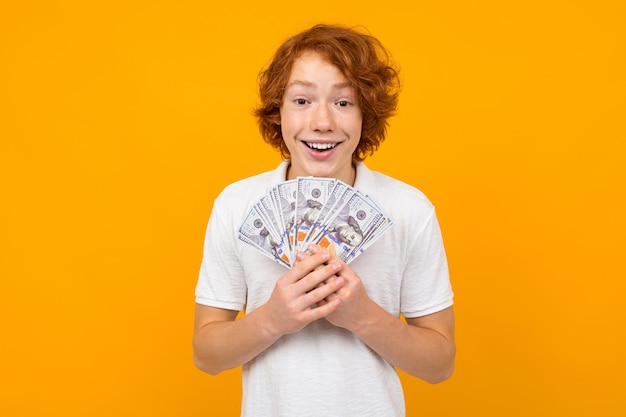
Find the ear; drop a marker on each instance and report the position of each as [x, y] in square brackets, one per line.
[276, 119]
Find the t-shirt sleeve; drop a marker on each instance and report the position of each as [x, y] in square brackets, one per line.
[426, 285]
[221, 282]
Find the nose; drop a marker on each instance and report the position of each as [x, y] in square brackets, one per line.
[322, 119]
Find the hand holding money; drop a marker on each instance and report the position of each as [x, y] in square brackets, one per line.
[311, 210]
[294, 300]
[351, 297]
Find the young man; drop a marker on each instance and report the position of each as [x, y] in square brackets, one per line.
[322, 338]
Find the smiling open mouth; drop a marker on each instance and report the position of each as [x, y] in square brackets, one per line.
[320, 147]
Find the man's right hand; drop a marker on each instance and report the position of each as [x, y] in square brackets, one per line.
[293, 303]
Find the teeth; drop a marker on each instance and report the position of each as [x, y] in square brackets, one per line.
[321, 146]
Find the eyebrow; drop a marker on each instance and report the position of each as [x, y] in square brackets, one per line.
[337, 86]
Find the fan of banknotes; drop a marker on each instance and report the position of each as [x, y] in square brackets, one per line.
[306, 210]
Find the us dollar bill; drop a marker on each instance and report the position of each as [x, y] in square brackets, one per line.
[324, 211]
[310, 199]
[352, 225]
[256, 232]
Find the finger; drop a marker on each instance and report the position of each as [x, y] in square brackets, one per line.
[321, 284]
[345, 271]
[319, 276]
[333, 253]
[313, 249]
[323, 294]
[323, 309]
[304, 265]
[332, 250]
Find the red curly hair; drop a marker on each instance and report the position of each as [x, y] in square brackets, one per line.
[360, 57]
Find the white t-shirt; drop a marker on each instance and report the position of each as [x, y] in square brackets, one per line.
[323, 370]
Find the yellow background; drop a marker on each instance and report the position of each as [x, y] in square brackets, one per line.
[120, 121]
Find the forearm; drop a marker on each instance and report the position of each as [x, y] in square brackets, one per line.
[222, 345]
[221, 342]
[414, 348]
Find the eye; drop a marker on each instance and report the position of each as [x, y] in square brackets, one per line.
[300, 101]
[343, 103]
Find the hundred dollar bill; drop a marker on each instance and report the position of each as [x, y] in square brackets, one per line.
[338, 196]
[311, 198]
[371, 236]
[285, 197]
[350, 225]
[307, 210]
[267, 209]
[255, 231]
